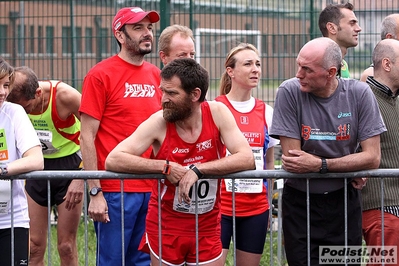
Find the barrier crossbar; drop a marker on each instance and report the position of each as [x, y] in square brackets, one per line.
[263, 174]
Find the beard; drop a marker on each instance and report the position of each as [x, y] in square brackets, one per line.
[173, 112]
[134, 46]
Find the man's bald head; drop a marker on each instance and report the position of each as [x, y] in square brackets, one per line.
[390, 27]
[385, 49]
[325, 50]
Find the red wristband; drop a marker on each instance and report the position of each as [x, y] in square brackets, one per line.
[166, 168]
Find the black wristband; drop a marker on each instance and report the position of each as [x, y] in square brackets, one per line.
[196, 171]
[324, 168]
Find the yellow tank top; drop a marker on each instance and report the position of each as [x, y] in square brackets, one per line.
[59, 138]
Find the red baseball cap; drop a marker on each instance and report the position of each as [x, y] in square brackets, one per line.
[132, 15]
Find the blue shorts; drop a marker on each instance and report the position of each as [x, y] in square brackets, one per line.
[250, 232]
[109, 235]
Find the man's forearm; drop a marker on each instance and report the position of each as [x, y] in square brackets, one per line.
[353, 162]
[231, 164]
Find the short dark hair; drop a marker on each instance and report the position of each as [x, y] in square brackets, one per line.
[191, 74]
[331, 13]
[24, 88]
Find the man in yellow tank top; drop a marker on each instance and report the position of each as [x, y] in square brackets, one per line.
[52, 107]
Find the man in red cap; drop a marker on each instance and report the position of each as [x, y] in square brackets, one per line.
[117, 95]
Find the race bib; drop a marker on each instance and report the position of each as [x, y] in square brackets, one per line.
[258, 156]
[244, 185]
[206, 197]
[248, 185]
[5, 196]
[46, 139]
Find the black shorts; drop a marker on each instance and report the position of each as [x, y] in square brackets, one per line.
[37, 189]
[21, 246]
[250, 232]
[327, 222]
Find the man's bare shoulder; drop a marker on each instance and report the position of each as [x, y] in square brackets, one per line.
[154, 127]
[158, 115]
[220, 113]
[157, 120]
[64, 90]
[67, 97]
[368, 72]
[57, 83]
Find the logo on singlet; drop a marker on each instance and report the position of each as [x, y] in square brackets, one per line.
[139, 90]
[205, 145]
[244, 120]
[253, 137]
[177, 150]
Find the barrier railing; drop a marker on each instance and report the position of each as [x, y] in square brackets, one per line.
[263, 174]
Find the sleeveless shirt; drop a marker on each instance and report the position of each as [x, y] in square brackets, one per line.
[59, 138]
[249, 192]
[179, 218]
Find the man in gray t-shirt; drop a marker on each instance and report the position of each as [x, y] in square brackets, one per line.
[321, 120]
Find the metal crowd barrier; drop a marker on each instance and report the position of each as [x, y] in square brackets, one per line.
[263, 174]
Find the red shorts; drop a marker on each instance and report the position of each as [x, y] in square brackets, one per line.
[372, 231]
[209, 248]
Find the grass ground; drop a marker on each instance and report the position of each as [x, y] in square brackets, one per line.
[85, 254]
[88, 257]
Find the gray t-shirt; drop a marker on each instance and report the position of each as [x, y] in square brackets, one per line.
[327, 127]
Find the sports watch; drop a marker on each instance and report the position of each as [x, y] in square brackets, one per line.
[196, 171]
[95, 190]
[3, 169]
[324, 168]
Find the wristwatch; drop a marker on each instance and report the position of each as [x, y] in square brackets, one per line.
[3, 169]
[196, 171]
[95, 190]
[323, 168]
